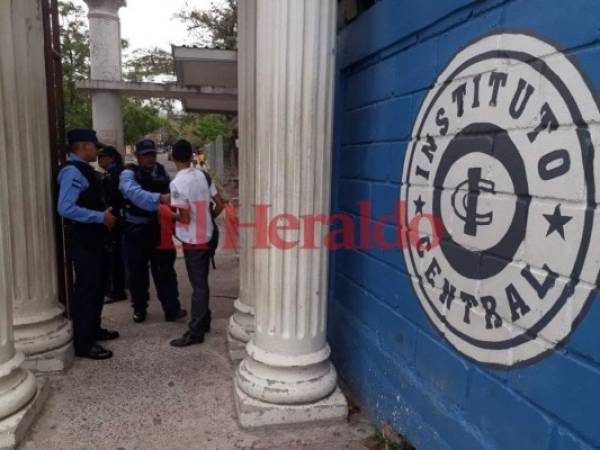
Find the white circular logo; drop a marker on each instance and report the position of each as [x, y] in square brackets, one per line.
[502, 166]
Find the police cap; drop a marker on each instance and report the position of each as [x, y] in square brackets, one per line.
[83, 135]
[145, 146]
[108, 150]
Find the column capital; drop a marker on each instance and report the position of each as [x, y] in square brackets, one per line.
[105, 8]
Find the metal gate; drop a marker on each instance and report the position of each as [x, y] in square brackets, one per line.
[56, 120]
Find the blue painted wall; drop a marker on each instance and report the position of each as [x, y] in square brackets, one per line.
[385, 348]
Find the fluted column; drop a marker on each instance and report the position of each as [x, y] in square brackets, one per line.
[40, 328]
[20, 37]
[287, 376]
[241, 323]
[105, 62]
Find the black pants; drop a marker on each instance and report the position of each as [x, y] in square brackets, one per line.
[88, 291]
[115, 283]
[141, 248]
[197, 263]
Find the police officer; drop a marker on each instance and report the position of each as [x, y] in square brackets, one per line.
[144, 186]
[87, 221]
[111, 161]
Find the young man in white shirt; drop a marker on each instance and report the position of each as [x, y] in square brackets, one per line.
[192, 192]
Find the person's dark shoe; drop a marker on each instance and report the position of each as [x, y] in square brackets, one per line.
[107, 335]
[206, 321]
[175, 317]
[187, 339]
[139, 316]
[96, 352]
[114, 298]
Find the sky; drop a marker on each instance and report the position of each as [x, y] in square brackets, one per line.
[150, 23]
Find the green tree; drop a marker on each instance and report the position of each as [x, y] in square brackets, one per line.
[214, 27]
[76, 65]
[177, 127]
[208, 127]
[154, 65]
[139, 119]
[148, 64]
[143, 117]
[198, 129]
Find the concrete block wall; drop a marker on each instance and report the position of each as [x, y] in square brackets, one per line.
[394, 358]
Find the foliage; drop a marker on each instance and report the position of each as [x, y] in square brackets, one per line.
[143, 117]
[147, 64]
[139, 119]
[75, 58]
[215, 27]
[209, 126]
[151, 64]
[387, 439]
[198, 129]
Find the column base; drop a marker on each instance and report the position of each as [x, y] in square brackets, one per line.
[46, 339]
[253, 413]
[240, 330]
[236, 349]
[57, 360]
[13, 428]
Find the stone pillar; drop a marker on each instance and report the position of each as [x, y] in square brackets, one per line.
[219, 159]
[41, 330]
[22, 254]
[209, 152]
[241, 323]
[287, 376]
[105, 61]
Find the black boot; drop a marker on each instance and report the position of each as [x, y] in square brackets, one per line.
[96, 352]
[139, 316]
[107, 335]
[188, 339]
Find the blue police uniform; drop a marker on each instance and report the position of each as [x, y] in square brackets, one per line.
[71, 184]
[115, 281]
[81, 204]
[141, 191]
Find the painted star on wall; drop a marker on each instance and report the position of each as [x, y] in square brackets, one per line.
[419, 203]
[557, 222]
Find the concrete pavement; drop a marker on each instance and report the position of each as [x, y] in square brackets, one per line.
[151, 396]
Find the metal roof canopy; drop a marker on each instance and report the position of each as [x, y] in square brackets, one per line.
[207, 67]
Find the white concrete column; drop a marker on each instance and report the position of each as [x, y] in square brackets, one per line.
[40, 328]
[287, 376]
[241, 323]
[209, 151]
[20, 39]
[105, 61]
[219, 159]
